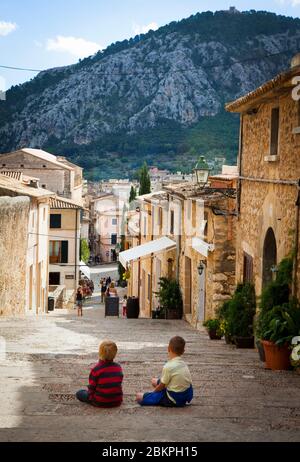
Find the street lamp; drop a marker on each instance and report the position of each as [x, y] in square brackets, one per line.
[201, 267]
[201, 171]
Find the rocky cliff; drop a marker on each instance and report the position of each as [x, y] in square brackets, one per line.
[159, 96]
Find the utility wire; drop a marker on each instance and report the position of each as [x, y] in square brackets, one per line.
[213, 66]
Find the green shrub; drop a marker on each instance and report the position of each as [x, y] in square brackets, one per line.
[238, 313]
[169, 294]
[214, 325]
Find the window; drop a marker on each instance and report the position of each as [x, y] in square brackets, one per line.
[43, 186]
[248, 268]
[55, 220]
[172, 222]
[114, 221]
[44, 166]
[274, 131]
[58, 251]
[3, 165]
[54, 279]
[114, 239]
[22, 165]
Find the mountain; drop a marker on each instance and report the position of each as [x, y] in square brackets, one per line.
[157, 97]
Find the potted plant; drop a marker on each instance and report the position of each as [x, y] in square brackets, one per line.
[170, 298]
[214, 329]
[240, 314]
[277, 321]
[159, 313]
[278, 327]
[222, 315]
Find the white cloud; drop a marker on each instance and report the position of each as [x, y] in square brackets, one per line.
[76, 46]
[289, 2]
[137, 29]
[7, 27]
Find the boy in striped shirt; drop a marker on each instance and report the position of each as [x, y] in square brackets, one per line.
[105, 381]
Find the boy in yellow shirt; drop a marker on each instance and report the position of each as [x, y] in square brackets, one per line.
[174, 388]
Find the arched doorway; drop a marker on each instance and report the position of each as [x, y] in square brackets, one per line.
[269, 256]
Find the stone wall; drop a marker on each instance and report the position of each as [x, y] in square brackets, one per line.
[14, 213]
[268, 205]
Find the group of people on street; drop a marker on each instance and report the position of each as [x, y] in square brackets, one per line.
[85, 289]
[107, 289]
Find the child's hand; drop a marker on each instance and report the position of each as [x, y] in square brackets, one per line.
[154, 382]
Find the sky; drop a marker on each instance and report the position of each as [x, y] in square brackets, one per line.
[41, 34]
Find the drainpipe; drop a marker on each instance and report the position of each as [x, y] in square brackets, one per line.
[240, 165]
[295, 266]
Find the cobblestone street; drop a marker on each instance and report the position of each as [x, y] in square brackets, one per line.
[48, 359]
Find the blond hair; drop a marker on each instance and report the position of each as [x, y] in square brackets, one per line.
[112, 285]
[108, 350]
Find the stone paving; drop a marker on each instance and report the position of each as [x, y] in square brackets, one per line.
[48, 358]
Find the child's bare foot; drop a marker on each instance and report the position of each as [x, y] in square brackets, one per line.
[154, 382]
[139, 397]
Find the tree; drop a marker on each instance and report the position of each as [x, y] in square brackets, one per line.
[145, 182]
[132, 195]
[84, 250]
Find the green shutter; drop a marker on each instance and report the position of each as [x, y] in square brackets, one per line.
[64, 251]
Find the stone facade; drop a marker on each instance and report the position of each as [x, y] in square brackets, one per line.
[55, 174]
[14, 215]
[268, 188]
[184, 213]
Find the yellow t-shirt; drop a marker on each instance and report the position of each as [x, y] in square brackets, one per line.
[176, 375]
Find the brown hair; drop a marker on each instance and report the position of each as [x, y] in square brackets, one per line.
[177, 345]
[108, 350]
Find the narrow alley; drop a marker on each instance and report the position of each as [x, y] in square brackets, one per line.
[48, 358]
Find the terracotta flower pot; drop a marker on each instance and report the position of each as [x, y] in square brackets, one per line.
[277, 357]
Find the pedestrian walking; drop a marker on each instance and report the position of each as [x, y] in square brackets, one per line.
[103, 290]
[79, 301]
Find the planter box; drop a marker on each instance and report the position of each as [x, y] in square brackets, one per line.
[212, 333]
[173, 314]
[133, 308]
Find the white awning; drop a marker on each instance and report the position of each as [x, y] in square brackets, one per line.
[85, 269]
[201, 246]
[164, 243]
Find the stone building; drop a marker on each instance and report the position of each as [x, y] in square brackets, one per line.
[106, 223]
[24, 221]
[188, 233]
[55, 173]
[269, 172]
[64, 245]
